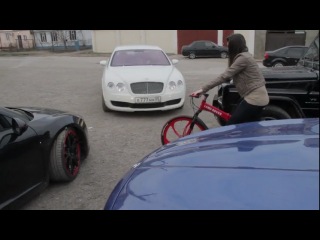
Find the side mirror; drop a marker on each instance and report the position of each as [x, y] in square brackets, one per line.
[174, 61]
[103, 62]
[18, 126]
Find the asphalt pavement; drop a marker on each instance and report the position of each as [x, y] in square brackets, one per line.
[118, 140]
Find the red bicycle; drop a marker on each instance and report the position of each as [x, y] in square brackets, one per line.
[185, 125]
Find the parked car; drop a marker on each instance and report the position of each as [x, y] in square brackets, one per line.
[293, 90]
[38, 145]
[141, 78]
[268, 165]
[204, 49]
[286, 56]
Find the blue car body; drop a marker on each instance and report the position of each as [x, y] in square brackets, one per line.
[269, 165]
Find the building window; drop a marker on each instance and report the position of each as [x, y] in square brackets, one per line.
[8, 36]
[43, 37]
[72, 35]
[25, 37]
[54, 36]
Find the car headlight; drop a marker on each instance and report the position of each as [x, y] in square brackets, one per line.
[172, 85]
[110, 85]
[119, 86]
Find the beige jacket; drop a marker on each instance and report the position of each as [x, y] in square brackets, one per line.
[245, 73]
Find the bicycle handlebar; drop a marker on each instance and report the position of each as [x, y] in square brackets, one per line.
[199, 95]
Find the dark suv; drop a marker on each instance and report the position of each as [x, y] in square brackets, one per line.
[293, 91]
[286, 56]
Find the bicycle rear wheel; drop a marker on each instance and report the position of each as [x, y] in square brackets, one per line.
[179, 127]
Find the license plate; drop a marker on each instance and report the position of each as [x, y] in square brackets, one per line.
[147, 99]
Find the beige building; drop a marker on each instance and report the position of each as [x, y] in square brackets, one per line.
[16, 39]
[104, 41]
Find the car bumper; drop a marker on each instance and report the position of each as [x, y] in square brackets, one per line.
[127, 103]
[266, 64]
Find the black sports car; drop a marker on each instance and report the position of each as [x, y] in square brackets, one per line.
[37, 146]
[204, 48]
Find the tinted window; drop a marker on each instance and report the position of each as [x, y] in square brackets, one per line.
[199, 45]
[313, 51]
[139, 57]
[4, 123]
[295, 52]
[209, 44]
[281, 51]
[311, 58]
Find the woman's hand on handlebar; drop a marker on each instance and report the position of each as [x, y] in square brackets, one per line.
[197, 93]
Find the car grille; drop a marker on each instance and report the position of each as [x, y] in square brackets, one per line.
[146, 87]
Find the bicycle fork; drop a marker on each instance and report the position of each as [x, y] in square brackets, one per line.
[188, 129]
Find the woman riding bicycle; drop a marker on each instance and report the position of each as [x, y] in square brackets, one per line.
[247, 78]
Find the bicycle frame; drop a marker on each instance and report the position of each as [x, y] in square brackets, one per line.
[191, 122]
[204, 106]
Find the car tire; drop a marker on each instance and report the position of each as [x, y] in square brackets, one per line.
[192, 55]
[273, 113]
[220, 120]
[104, 106]
[223, 55]
[65, 156]
[277, 64]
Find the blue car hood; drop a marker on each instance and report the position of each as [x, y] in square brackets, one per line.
[265, 165]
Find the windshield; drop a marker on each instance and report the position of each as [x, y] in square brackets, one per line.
[311, 58]
[22, 114]
[139, 57]
[313, 51]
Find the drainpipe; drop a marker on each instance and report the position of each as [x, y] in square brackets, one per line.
[34, 38]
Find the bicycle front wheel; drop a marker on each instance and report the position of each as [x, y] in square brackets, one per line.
[179, 127]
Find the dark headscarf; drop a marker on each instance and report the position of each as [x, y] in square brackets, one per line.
[236, 45]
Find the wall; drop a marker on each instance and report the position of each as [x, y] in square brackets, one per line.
[185, 37]
[84, 38]
[171, 41]
[260, 43]
[249, 35]
[166, 39]
[225, 34]
[311, 34]
[13, 42]
[104, 41]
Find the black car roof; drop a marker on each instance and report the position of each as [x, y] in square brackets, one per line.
[291, 46]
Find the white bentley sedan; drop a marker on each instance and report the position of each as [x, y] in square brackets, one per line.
[141, 78]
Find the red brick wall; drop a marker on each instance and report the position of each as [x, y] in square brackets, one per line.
[186, 37]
